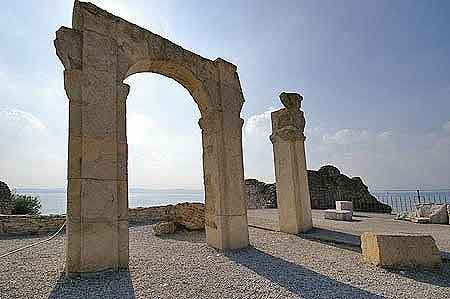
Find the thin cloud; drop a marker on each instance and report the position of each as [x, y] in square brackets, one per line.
[446, 126]
[386, 159]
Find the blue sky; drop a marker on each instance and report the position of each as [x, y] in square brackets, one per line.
[375, 76]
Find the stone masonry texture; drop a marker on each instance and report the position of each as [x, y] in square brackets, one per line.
[188, 215]
[326, 186]
[99, 52]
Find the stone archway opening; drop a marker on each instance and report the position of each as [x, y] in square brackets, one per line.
[98, 54]
[164, 138]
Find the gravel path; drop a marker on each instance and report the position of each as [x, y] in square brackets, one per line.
[183, 266]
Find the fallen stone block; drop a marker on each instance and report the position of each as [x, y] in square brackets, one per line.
[190, 215]
[401, 251]
[343, 215]
[436, 213]
[344, 205]
[164, 228]
[439, 214]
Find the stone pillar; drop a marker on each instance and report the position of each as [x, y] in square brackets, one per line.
[97, 195]
[294, 206]
[225, 208]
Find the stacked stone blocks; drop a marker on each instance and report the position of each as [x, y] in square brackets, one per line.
[294, 204]
[189, 215]
[98, 53]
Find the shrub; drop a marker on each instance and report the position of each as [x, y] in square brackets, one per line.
[25, 204]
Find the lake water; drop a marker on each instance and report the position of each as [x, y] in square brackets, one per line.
[53, 200]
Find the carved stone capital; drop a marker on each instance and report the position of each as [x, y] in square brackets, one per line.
[72, 85]
[123, 90]
[211, 122]
[288, 118]
[69, 45]
[292, 101]
[288, 123]
[288, 133]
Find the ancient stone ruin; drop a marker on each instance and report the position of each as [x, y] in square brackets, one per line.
[98, 53]
[260, 195]
[294, 205]
[326, 186]
[185, 216]
[6, 204]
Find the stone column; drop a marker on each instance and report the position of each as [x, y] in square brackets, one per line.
[225, 209]
[294, 206]
[97, 200]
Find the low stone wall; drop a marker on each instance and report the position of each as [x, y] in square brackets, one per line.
[190, 215]
[30, 224]
[150, 214]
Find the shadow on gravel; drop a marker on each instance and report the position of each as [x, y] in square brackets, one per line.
[334, 238]
[296, 278]
[102, 285]
[441, 279]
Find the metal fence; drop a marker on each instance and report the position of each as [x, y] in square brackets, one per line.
[405, 200]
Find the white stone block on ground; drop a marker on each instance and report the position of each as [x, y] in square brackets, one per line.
[400, 251]
[342, 205]
[436, 213]
[341, 215]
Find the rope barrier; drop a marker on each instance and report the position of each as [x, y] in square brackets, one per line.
[34, 244]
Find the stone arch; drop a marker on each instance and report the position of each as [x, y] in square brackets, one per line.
[177, 72]
[98, 53]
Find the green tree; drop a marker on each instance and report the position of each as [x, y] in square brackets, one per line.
[25, 204]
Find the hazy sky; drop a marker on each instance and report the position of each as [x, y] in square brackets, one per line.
[375, 76]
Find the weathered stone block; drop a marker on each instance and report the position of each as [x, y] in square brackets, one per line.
[73, 246]
[99, 250]
[99, 120]
[435, 213]
[190, 215]
[401, 251]
[74, 199]
[164, 228]
[341, 215]
[439, 214]
[74, 157]
[344, 205]
[100, 158]
[122, 197]
[123, 244]
[99, 201]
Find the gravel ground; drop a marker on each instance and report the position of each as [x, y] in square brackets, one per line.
[183, 266]
[363, 222]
